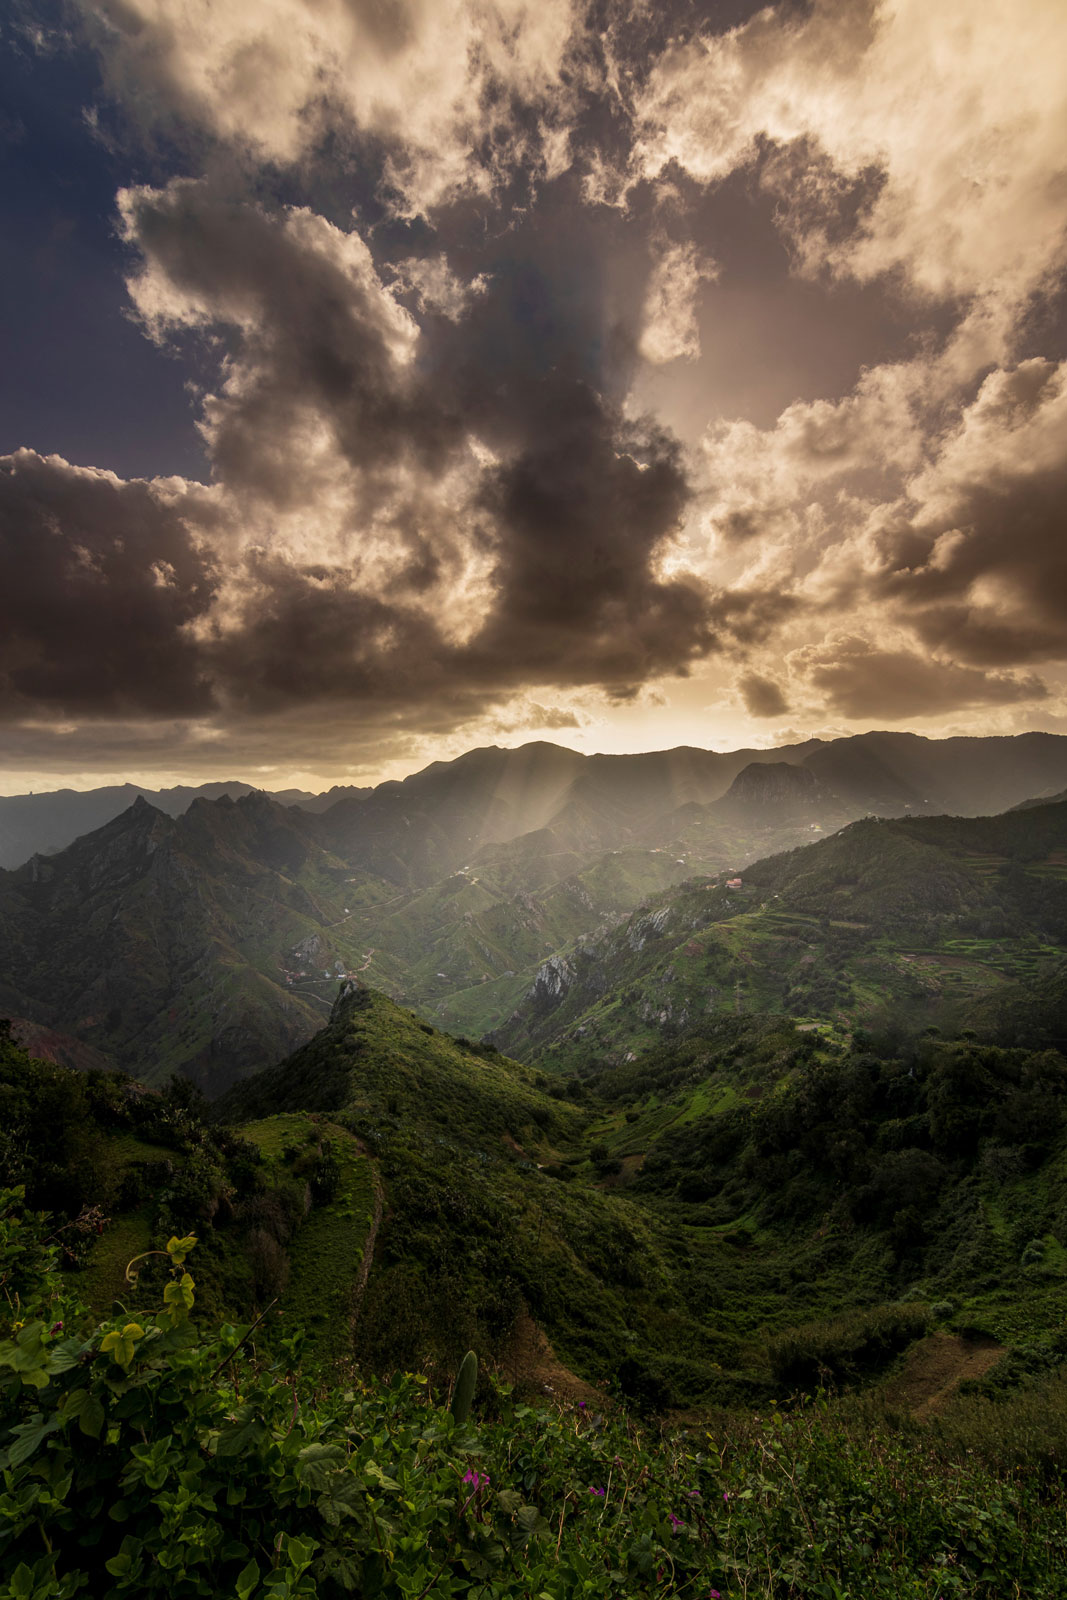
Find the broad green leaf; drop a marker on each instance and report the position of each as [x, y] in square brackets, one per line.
[240, 1436]
[530, 1520]
[316, 1463]
[248, 1581]
[22, 1582]
[345, 1497]
[86, 1410]
[64, 1355]
[91, 1421]
[28, 1436]
[373, 1470]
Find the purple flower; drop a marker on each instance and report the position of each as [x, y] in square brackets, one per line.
[599, 1492]
[581, 1405]
[675, 1522]
[477, 1480]
[713, 1594]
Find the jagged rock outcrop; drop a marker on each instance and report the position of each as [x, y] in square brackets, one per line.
[554, 978]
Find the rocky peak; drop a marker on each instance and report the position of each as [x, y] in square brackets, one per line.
[772, 782]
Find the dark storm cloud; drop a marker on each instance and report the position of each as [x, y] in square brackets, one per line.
[102, 579]
[310, 326]
[762, 696]
[582, 510]
[860, 680]
[568, 514]
[988, 584]
[1012, 538]
[348, 502]
[576, 523]
[979, 567]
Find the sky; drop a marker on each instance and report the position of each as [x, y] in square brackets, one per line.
[384, 378]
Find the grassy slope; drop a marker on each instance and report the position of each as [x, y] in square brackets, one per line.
[920, 917]
[662, 1228]
[326, 1253]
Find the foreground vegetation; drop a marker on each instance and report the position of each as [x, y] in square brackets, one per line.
[142, 1458]
[753, 1238]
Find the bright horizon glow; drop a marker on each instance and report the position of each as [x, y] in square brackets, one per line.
[604, 739]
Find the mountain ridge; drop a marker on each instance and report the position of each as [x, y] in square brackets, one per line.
[212, 942]
[878, 770]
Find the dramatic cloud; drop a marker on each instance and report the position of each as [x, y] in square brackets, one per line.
[924, 139]
[429, 81]
[972, 555]
[762, 696]
[670, 328]
[545, 357]
[103, 580]
[859, 680]
[386, 532]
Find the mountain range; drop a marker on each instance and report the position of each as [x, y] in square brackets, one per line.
[495, 892]
[491, 795]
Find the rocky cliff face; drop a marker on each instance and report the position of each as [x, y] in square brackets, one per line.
[554, 977]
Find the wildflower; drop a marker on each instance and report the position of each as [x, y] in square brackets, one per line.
[477, 1480]
[56, 1326]
[713, 1594]
[599, 1492]
[581, 1405]
[675, 1522]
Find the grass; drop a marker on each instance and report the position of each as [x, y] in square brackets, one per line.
[103, 1280]
[326, 1252]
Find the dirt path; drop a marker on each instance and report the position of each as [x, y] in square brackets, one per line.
[530, 1358]
[367, 1258]
[934, 1369]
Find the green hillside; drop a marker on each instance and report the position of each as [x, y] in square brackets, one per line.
[906, 922]
[197, 944]
[733, 1219]
[212, 942]
[283, 1208]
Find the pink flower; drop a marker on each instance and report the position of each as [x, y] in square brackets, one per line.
[675, 1522]
[599, 1492]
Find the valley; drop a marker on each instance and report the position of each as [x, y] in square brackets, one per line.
[679, 1120]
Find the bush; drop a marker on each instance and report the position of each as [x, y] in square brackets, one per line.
[838, 1352]
[158, 1463]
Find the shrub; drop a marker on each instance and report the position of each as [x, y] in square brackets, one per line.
[142, 1461]
[840, 1351]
